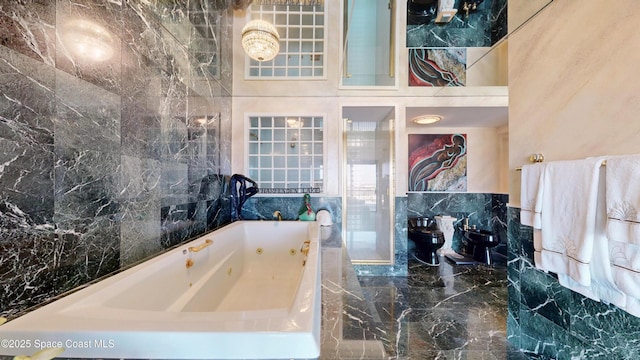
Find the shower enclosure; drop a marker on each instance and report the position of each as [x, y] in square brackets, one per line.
[368, 210]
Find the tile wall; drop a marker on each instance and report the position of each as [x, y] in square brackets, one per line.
[553, 322]
[113, 151]
[484, 210]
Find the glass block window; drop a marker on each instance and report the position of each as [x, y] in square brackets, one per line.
[286, 153]
[302, 42]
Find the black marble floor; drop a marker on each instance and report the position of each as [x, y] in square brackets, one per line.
[444, 312]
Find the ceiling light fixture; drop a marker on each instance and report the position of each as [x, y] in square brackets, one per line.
[426, 119]
[260, 40]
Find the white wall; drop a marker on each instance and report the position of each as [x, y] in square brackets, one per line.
[573, 83]
[486, 152]
[326, 96]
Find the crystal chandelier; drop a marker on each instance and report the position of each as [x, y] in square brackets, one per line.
[260, 40]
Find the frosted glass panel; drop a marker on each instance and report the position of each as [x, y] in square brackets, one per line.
[368, 187]
[285, 153]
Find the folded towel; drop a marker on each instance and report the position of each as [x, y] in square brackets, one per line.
[623, 198]
[531, 189]
[568, 217]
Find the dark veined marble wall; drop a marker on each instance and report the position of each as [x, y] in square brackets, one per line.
[484, 210]
[487, 211]
[263, 207]
[114, 130]
[482, 27]
[549, 321]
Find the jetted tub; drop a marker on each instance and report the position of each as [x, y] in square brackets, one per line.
[245, 291]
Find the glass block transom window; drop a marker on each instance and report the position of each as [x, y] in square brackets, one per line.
[286, 153]
[302, 40]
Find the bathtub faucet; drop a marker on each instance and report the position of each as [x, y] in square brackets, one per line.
[278, 215]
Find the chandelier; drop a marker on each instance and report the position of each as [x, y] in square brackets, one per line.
[260, 40]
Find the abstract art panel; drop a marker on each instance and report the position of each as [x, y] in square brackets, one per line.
[437, 67]
[437, 162]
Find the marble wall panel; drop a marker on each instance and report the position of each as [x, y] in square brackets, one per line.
[476, 207]
[106, 161]
[549, 321]
[28, 28]
[263, 207]
[482, 27]
[26, 134]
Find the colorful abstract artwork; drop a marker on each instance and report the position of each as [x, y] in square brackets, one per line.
[437, 67]
[437, 162]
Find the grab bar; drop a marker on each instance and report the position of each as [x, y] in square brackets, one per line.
[207, 242]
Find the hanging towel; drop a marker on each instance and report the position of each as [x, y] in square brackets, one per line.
[568, 217]
[623, 226]
[625, 259]
[623, 199]
[532, 177]
[603, 287]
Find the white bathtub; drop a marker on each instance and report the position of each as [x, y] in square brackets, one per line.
[245, 296]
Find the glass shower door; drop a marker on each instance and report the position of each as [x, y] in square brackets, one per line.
[368, 184]
[368, 43]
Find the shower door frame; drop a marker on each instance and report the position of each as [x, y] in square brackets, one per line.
[388, 195]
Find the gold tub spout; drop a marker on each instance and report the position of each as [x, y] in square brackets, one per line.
[305, 247]
[278, 215]
[305, 244]
[201, 246]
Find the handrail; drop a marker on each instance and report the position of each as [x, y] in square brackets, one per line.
[207, 242]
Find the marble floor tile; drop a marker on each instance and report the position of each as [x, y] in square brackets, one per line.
[444, 312]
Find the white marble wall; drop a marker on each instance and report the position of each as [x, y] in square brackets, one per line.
[573, 84]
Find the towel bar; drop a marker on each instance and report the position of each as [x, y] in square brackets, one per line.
[604, 163]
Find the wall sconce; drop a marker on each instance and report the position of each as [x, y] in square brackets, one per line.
[260, 40]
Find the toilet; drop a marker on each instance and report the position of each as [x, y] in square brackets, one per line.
[428, 239]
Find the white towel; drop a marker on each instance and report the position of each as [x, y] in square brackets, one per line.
[626, 264]
[603, 287]
[568, 217]
[623, 199]
[623, 226]
[531, 188]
